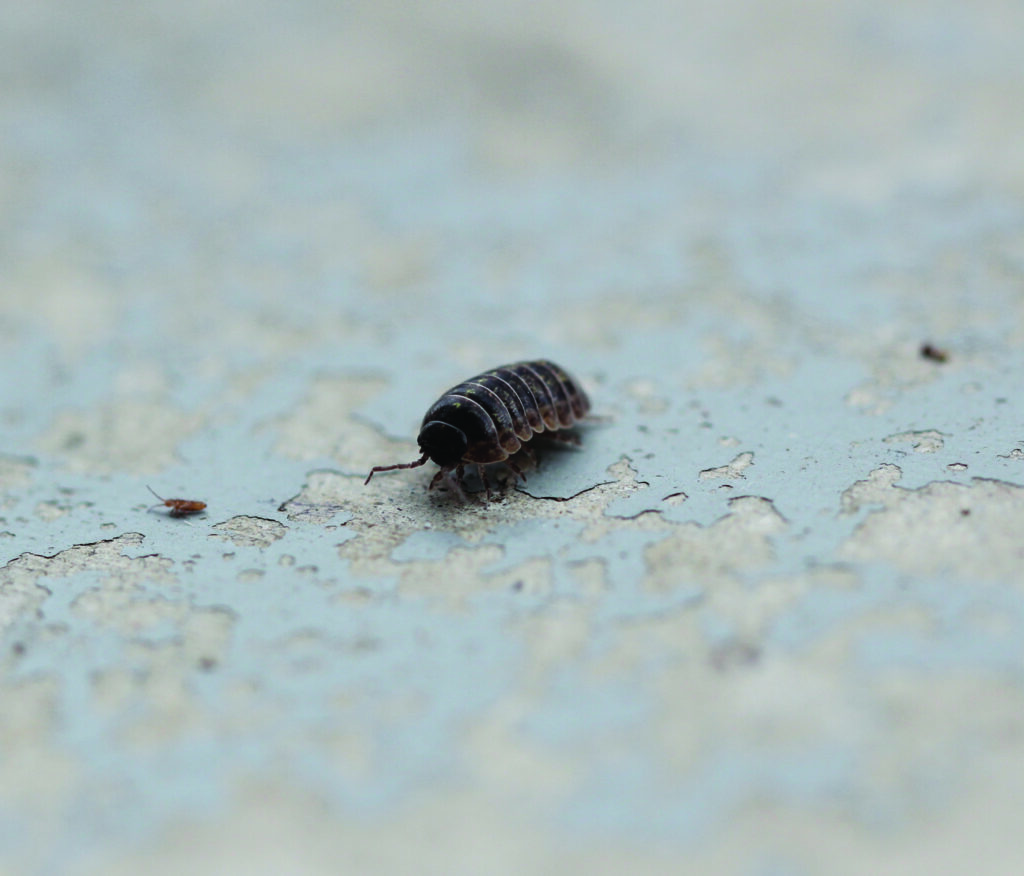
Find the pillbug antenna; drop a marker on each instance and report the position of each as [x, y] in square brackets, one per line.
[421, 461]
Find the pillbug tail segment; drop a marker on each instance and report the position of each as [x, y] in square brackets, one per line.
[421, 461]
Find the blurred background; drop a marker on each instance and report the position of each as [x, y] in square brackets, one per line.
[770, 625]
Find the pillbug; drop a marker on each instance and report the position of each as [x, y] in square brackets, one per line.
[488, 418]
[179, 507]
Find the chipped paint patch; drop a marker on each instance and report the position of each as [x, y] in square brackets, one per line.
[926, 441]
[876, 489]
[129, 436]
[730, 470]
[980, 524]
[247, 531]
[692, 553]
[322, 425]
[16, 471]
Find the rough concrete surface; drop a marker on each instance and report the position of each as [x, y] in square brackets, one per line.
[767, 619]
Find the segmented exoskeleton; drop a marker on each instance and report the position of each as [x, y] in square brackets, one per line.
[488, 418]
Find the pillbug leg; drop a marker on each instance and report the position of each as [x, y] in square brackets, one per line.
[456, 480]
[515, 468]
[482, 474]
[453, 477]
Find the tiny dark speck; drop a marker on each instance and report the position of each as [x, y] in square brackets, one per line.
[73, 440]
[932, 353]
[517, 585]
[734, 655]
[965, 512]
[207, 663]
[18, 648]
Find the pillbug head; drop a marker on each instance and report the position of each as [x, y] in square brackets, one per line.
[444, 443]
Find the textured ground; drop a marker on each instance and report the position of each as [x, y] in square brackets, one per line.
[766, 621]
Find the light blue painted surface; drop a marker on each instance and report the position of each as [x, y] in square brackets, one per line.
[196, 263]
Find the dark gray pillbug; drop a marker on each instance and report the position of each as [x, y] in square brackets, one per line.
[488, 418]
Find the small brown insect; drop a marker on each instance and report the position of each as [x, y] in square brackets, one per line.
[179, 507]
[935, 354]
[488, 418]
